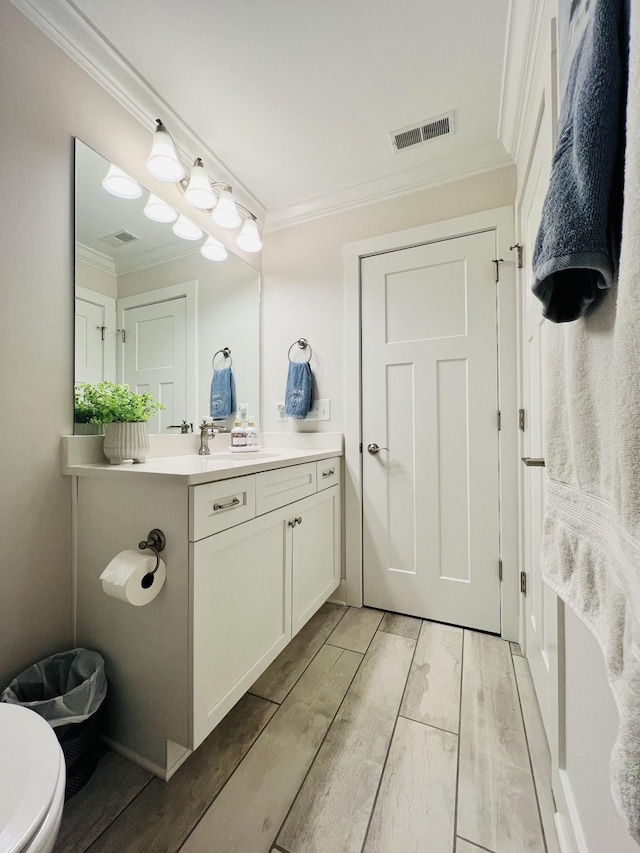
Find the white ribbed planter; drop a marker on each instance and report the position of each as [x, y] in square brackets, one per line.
[126, 441]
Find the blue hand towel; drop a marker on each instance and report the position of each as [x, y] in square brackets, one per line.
[223, 394]
[576, 248]
[298, 397]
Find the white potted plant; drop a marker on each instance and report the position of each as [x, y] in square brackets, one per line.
[125, 416]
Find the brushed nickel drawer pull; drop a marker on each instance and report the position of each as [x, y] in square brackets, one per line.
[328, 473]
[532, 462]
[233, 502]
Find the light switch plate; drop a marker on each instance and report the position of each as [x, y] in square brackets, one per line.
[320, 411]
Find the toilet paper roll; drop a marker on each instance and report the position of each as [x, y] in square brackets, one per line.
[123, 577]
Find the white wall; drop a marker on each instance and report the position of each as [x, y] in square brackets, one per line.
[46, 100]
[303, 288]
[96, 279]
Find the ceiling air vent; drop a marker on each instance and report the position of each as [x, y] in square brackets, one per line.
[120, 238]
[427, 130]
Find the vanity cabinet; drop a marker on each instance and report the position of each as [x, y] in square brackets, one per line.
[249, 560]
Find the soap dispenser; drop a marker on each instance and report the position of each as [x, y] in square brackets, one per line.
[238, 437]
[252, 433]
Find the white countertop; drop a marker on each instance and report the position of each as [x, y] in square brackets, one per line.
[192, 470]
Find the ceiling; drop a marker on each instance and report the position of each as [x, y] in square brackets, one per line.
[297, 99]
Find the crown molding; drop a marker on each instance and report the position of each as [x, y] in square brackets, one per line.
[95, 259]
[67, 27]
[487, 158]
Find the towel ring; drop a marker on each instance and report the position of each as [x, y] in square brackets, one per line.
[226, 352]
[303, 343]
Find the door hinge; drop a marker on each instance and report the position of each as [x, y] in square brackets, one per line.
[518, 249]
[360, 447]
[499, 419]
[123, 335]
[499, 569]
[521, 419]
[523, 582]
[497, 262]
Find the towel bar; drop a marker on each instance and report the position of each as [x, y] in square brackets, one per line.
[532, 462]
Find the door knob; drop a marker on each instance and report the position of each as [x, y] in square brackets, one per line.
[373, 448]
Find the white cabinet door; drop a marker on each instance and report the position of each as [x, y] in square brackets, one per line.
[316, 552]
[241, 613]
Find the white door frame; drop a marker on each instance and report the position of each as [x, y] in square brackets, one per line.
[189, 290]
[501, 221]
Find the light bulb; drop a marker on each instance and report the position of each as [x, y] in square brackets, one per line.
[249, 239]
[159, 210]
[226, 213]
[164, 162]
[186, 229]
[199, 192]
[119, 183]
[213, 250]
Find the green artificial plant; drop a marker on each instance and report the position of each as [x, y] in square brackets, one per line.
[107, 402]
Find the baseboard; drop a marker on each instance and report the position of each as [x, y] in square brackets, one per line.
[570, 835]
[340, 594]
[161, 772]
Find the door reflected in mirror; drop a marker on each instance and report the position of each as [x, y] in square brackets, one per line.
[151, 311]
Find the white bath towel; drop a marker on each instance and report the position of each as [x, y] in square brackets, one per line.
[591, 540]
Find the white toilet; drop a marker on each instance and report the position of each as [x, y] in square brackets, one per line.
[32, 782]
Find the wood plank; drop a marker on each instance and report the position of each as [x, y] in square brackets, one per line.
[464, 846]
[248, 812]
[415, 808]
[538, 750]
[164, 814]
[515, 649]
[114, 784]
[333, 807]
[433, 689]
[497, 806]
[396, 623]
[278, 679]
[356, 629]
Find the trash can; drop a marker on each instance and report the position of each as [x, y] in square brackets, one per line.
[67, 689]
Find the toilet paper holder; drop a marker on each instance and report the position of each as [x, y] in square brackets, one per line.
[155, 542]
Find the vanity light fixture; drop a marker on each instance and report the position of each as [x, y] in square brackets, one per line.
[215, 197]
[249, 238]
[159, 210]
[164, 161]
[198, 192]
[213, 250]
[119, 183]
[226, 214]
[186, 229]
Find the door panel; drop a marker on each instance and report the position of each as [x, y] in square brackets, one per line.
[95, 329]
[155, 356]
[429, 384]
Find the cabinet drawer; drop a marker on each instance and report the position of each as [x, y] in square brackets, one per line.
[284, 485]
[328, 473]
[218, 506]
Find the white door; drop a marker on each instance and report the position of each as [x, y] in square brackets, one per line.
[540, 603]
[430, 395]
[95, 330]
[154, 355]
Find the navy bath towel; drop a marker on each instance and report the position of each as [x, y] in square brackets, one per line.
[223, 394]
[298, 397]
[575, 252]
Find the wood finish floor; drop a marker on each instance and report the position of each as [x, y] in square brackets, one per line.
[370, 733]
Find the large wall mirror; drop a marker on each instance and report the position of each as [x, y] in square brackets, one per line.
[151, 311]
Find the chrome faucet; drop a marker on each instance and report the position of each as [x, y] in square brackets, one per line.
[184, 427]
[206, 431]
